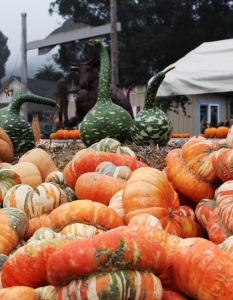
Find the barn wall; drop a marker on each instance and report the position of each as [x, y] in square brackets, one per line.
[180, 122]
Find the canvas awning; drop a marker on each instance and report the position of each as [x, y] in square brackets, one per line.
[206, 69]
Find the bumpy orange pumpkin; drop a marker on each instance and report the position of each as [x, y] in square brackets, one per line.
[18, 292]
[86, 256]
[98, 187]
[112, 286]
[6, 147]
[203, 211]
[216, 230]
[222, 163]
[149, 191]
[84, 211]
[27, 260]
[13, 225]
[185, 180]
[207, 265]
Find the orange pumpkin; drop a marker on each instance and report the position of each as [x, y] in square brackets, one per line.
[13, 226]
[224, 199]
[216, 230]
[185, 180]
[172, 295]
[36, 223]
[203, 211]
[84, 211]
[30, 259]
[222, 163]
[98, 187]
[18, 292]
[222, 131]
[98, 255]
[53, 136]
[66, 134]
[210, 132]
[149, 191]
[41, 159]
[227, 245]
[59, 134]
[191, 228]
[210, 269]
[75, 134]
[6, 147]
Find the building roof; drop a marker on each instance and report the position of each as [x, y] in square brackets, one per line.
[44, 88]
[206, 69]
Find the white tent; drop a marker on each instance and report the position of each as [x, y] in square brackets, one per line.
[206, 69]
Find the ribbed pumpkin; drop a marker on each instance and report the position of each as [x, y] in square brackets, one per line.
[217, 232]
[112, 285]
[41, 159]
[13, 225]
[222, 164]
[224, 199]
[8, 179]
[188, 212]
[6, 147]
[222, 131]
[149, 191]
[227, 245]
[108, 168]
[27, 266]
[203, 211]
[113, 250]
[29, 173]
[145, 220]
[36, 223]
[98, 187]
[81, 230]
[18, 292]
[84, 211]
[116, 204]
[185, 180]
[210, 270]
[44, 199]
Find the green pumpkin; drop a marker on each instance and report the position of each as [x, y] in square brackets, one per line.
[151, 125]
[105, 119]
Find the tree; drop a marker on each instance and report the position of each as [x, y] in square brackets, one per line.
[4, 54]
[48, 72]
[154, 34]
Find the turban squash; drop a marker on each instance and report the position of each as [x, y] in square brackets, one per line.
[149, 191]
[6, 147]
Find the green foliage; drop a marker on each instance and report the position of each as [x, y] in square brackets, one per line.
[48, 72]
[172, 102]
[4, 54]
[154, 34]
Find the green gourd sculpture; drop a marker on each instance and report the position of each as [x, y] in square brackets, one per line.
[18, 129]
[151, 125]
[105, 119]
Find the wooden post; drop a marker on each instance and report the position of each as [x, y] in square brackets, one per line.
[114, 47]
[24, 63]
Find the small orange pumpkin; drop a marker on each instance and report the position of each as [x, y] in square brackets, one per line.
[210, 132]
[222, 131]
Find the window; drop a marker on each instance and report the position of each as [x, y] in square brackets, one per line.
[208, 113]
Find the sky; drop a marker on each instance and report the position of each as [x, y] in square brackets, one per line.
[39, 25]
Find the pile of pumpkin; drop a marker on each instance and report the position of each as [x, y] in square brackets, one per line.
[216, 132]
[112, 227]
[65, 134]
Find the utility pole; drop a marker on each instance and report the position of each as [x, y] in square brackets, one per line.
[24, 63]
[114, 47]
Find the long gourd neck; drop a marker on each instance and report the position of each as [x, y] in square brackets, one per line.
[105, 72]
[150, 99]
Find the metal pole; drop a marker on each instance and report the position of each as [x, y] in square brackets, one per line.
[114, 48]
[24, 63]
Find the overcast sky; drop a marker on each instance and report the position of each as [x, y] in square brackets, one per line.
[39, 25]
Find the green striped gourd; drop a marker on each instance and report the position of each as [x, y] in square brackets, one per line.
[151, 125]
[105, 119]
[18, 129]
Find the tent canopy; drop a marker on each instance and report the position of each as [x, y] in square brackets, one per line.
[206, 69]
